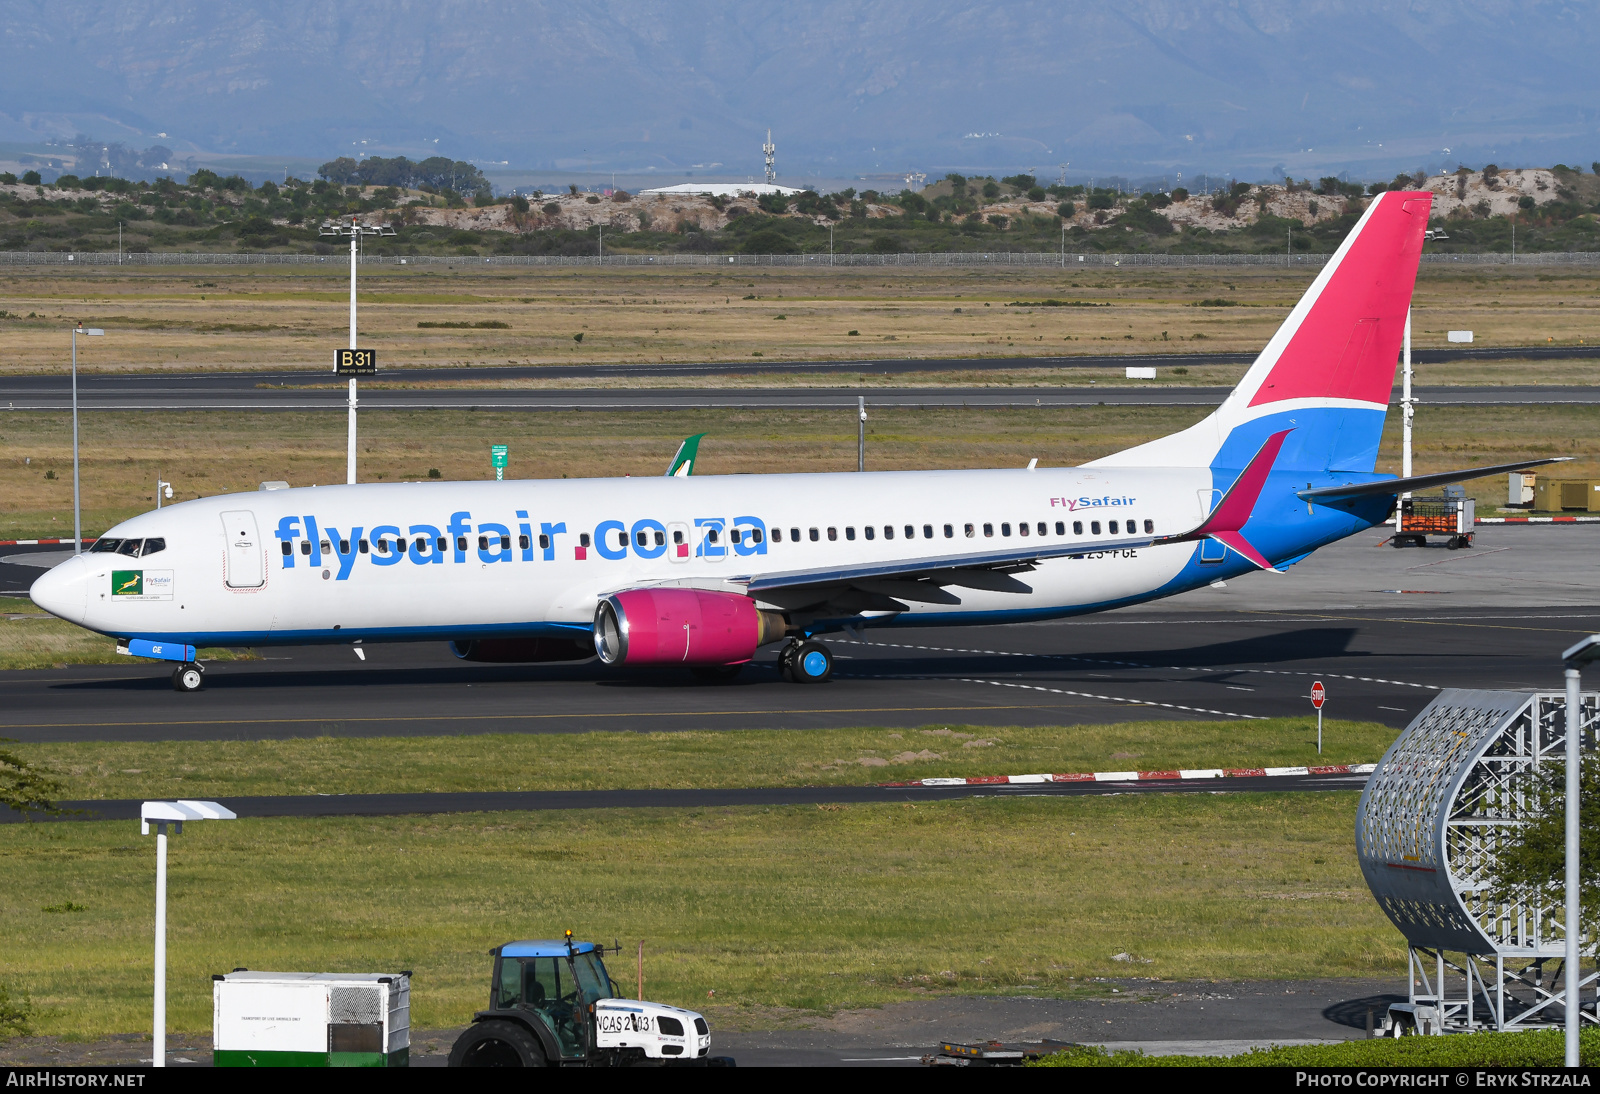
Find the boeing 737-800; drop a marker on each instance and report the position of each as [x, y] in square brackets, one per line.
[703, 571]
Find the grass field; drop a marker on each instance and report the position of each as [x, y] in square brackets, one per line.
[589, 761]
[742, 910]
[221, 317]
[123, 452]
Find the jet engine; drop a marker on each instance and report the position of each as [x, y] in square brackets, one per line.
[508, 651]
[672, 626]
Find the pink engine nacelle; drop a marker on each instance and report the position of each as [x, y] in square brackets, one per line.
[681, 627]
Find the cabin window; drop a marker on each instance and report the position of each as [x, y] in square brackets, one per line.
[288, 548]
[1061, 528]
[777, 535]
[583, 539]
[151, 546]
[361, 545]
[1077, 527]
[970, 531]
[849, 532]
[641, 538]
[305, 546]
[344, 546]
[711, 536]
[461, 543]
[927, 531]
[544, 542]
[1042, 528]
[1112, 528]
[736, 534]
[1022, 528]
[755, 535]
[327, 547]
[813, 535]
[444, 545]
[1149, 527]
[949, 531]
[794, 535]
[871, 532]
[1005, 529]
[677, 535]
[833, 534]
[483, 543]
[988, 529]
[661, 539]
[104, 544]
[622, 539]
[383, 546]
[522, 543]
[1094, 526]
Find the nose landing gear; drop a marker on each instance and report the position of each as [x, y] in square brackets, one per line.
[805, 662]
[187, 677]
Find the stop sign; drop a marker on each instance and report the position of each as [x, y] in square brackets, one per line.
[1319, 694]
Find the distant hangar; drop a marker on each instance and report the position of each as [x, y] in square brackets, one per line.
[722, 190]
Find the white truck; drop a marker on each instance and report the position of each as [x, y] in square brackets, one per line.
[311, 1019]
[552, 1004]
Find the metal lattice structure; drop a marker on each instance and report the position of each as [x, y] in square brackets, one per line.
[1449, 792]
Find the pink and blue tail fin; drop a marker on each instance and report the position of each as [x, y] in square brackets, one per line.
[1328, 371]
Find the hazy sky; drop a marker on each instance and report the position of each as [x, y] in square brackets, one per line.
[1136, 87]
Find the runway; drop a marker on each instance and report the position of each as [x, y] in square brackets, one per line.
[1384, 630]
[386, 805]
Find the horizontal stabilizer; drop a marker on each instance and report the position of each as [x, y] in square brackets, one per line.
[1421, 482]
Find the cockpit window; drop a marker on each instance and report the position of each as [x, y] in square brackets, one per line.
[152, 545]
[104, 544]
[130, 547]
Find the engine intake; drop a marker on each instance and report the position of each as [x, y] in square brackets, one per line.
[508, 651]
[682, 627]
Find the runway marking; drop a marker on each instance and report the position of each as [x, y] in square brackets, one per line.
[1063, 691]
[501, 717]
[1142, 665]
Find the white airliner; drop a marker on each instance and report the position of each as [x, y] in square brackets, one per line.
[703, 571]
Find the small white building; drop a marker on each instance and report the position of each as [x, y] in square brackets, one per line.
[722, 190]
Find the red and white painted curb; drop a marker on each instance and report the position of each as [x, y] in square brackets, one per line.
[1146, 776]
[37, 542]
[1537, 520]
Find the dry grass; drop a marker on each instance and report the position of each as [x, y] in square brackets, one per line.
[30, 639]
[206, 453]
[790, 907]
[604, 761]
[220, 317]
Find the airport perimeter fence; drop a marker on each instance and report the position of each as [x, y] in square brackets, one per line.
[933, 259]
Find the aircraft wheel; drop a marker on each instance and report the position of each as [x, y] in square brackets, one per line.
[812, 663]
[187, 678]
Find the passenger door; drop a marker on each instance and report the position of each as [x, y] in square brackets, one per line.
[246, 561]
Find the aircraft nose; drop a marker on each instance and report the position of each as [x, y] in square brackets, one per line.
[64, 590]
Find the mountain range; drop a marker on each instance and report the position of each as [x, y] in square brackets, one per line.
[1141, 87]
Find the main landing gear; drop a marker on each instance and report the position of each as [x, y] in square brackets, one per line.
[805, 662]
[188, 677]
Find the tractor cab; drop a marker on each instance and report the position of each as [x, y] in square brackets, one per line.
[552, 1003]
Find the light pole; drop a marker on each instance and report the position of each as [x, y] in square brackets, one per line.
[354, 230]
[162, 814]
[1579, 655]
[159, 487]
[77, 515]
[861, 436]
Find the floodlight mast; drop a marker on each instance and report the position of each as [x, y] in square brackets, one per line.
[354, 230]
[1579, 655]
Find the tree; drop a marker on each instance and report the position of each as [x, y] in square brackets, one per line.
[341, 171]
[1020, 182]
[990, 190]
[1036, 193]
[769, 241]
[31, 178]
[25, 788]
[1535, 856]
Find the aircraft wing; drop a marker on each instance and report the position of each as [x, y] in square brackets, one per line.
[1421, 482]
[882, 586]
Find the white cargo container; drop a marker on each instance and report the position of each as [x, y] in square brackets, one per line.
[311, 1019]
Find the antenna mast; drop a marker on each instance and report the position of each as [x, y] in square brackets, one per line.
[770, 150]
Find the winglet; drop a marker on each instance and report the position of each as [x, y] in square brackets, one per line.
[1232, 513]
[683, 463]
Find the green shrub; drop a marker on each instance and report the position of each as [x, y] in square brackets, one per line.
[15, 1013]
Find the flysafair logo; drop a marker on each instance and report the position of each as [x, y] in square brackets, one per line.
[1072, 505]
[461, 540]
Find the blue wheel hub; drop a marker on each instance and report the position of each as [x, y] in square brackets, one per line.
[814, 663]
